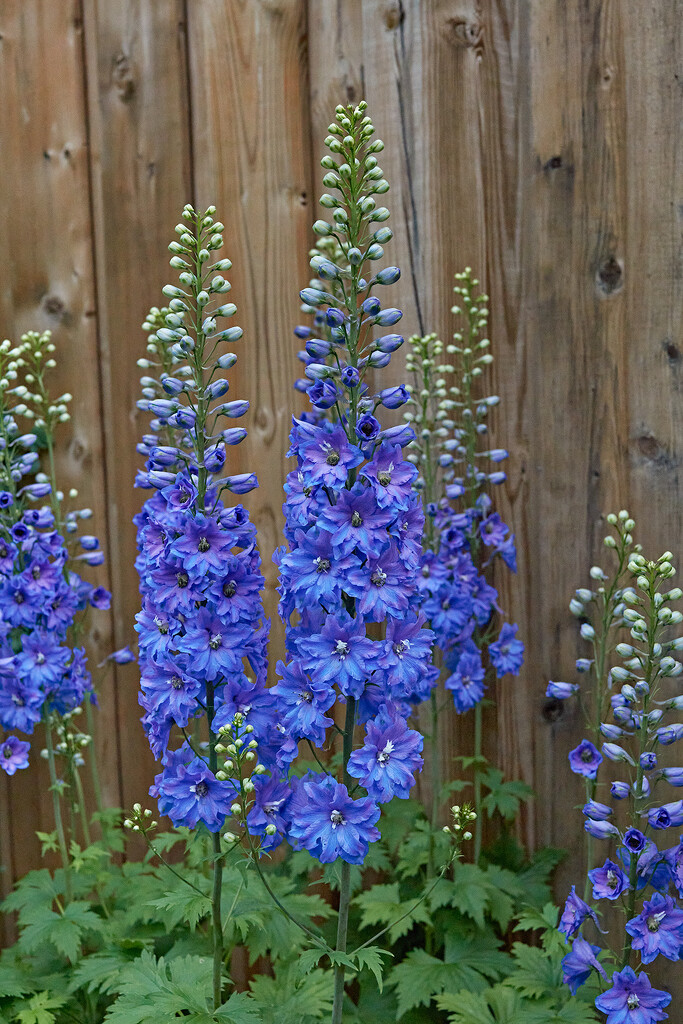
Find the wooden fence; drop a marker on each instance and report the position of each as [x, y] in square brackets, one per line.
[536, 140]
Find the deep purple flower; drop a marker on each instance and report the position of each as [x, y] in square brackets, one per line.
[466, 683]
[666, 816]
[340, 653]
[657, 929]
[356, 520]
[575, 912]
[302, 703]
[560, 691]
[609, 881]
[507, 653]
[202, 546]
[269, 808]
[323, 394]
[634, 840]
[405, 652]
[328, 456]
[386, 763]
[214, 647]
[577, 965]
[390, 476]
[585, 759]
[382, 586]
[632, 1000]
[13, 754]
[190, 794]
[328, 823]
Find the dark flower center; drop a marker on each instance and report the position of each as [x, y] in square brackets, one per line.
[201, 789]
[18, 701]
[337, 818]
[379, 577]
[400, 647]
[215, 641]
[203, 545]
[612, 880]
[3, 552]
[176, 682]
[323, 564]
[230, 588]
[161, 626]
[356, 519]
[633, 1002]
[332, 458]
[384, 477]
[18, 597]
[653, 922]
[306, 696]
[182, 579]
[40, 658]
[586, 756]
[35, 572]
[7, 753]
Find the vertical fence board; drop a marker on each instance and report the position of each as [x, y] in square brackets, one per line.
[48, 283]
[141, 178]
[251, 159]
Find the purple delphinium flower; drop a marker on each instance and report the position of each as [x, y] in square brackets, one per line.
[575, 912]
[467, 681]
[13, 754]
[507, 652]
[328, 823]
[632, 1000]
[657, 929]
[585, 759]
[386, 763]
[190, 793]
[578, 964]
[609, 881]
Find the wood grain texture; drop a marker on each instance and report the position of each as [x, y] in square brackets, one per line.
[138, 119]
[48, 283]
[251, 151]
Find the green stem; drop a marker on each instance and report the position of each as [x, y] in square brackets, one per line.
[57, 809]
[81, 805]
[477, 782]
[345, 886]
[94, 771]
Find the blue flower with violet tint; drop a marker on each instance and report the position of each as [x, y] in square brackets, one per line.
[609, 881]
[657, 929]
[578, 964]
[328, 823]
[507, 653]
[13, 754]
[585, 759]
[632, 1000]
[386, 763]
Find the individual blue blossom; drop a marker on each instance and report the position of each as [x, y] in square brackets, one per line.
[609, 881]
[585, 759]
[386, 763]
[13, 754]
[466, 682]
[269, 817]
[578, 965]
[632, 1000]
[561, 691]
[328, 823]
[657, 929]
[190, 793]
[575, 912]
[340, 653]
[507, 652]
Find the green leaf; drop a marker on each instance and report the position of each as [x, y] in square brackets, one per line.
[470, 963]
[239, 1009]
[468, 891]
[37, 889]
[398, 819]
[38, 1010]
[382, 905]
[62, 931]
[504, 797]
[536, 974]
[15, 978]
[531, 918]
[371, 957]
[48, 841]
[288, 999]
[183, 905]
[419, 845]
[495, 1006]
[154, 992]
[99, 972]
[536, 877]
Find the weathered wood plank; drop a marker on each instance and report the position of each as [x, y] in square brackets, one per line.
[138, 114]
[251, 159]
[48, 282]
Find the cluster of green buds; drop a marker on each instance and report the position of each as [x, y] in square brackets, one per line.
[34, 356]
[238, 750]
[69, 740]
[462, 818]
[140, 820]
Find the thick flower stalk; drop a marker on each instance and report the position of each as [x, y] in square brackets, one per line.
[348, 575]
[202, 635]
[641, 874]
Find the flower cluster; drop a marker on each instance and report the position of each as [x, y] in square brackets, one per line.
[202, 637]
[43, 669]
[353, 525]
[633, 700]
[462, 534]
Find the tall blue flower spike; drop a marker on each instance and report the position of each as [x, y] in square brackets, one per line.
[202, 635]
[353, 524]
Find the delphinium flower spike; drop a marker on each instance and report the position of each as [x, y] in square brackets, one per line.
[43, 598]
[638, 875]
[353, 529]
[462, 534]
[202, 635]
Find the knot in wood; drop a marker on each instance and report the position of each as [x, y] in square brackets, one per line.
[393, 14]
[462, 31]
[123, 77]
[610, 276]
[553, 709]
[53, 305]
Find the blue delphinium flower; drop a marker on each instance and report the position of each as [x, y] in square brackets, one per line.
[657, 929]
[328, 823]
[632, 1000]
[201, 631]
[579, 963]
